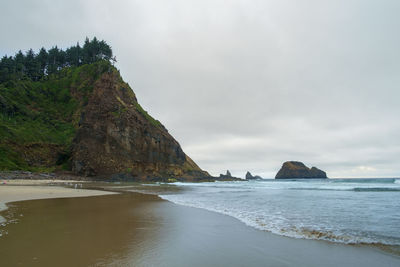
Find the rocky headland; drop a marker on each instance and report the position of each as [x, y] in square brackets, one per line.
[297, 170]
[115, 136]
[81, 117]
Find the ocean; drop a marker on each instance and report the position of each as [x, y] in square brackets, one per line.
[351, 211]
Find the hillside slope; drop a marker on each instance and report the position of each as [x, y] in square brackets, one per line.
[86, 119]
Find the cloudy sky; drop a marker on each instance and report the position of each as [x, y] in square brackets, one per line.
[247, 85]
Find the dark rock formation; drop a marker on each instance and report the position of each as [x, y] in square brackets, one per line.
[87, 120]
[295, 170]
[251, 177]
[117, 137]
[227, 175]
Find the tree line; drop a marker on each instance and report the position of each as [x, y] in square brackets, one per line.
[36, 66]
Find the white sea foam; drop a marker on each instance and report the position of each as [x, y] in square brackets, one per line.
[2, 208]
[346, 212]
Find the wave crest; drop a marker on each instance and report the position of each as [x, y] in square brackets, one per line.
[376, 189]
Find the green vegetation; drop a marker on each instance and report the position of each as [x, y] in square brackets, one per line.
[41, 101]
[153, 121]
[38, 66]
[10, 160]
[119, 112]
[44, 112]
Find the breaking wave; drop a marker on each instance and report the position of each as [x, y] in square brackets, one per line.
[351, 211]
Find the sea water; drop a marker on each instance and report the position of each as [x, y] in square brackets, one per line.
[352, 211]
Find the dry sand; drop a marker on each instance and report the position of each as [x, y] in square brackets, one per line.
[18, 190]
[38, 182]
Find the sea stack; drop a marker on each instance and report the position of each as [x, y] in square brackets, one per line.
[249, 176]
[226, 176]
[297, 170]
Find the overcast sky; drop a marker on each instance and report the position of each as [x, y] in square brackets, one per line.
[247, 85]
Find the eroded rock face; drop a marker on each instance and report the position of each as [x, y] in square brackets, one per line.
[116, 136]
[296, 169]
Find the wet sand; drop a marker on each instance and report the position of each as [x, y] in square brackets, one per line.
[74, 231]
[19, 190]
[133, 229]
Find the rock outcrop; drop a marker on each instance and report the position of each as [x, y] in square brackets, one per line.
[226, 176]
[249, 176]
[79, 115]
[117, 137]
[297, 170]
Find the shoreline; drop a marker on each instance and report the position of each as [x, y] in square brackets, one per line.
[24, 190]
[37, 189]
[211, 234]
[391, 250]
[68, 175]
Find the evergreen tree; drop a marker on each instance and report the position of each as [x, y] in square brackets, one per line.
[32, 65]
[105, 51]
[42, 58]
[73, 55]
[61, 59]
[36, 66]
[4, 69]
[86, 51]
[52, 60]
[94, 50]
[19, 61]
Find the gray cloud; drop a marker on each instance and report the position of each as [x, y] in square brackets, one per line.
[246, 85]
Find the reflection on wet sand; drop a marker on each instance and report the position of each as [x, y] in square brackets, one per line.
[79, 231]
[132, 229]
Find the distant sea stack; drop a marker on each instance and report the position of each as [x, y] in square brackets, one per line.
[297, 170]
[249, 176]
[227, 175]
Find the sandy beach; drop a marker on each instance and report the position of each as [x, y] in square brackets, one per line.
[18, 190]
[132, 229]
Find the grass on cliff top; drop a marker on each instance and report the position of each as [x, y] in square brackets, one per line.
[147, 116]
[43, 111]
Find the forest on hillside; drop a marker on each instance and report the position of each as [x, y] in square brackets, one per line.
[36, 66]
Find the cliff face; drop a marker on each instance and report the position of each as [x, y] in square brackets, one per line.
[116, 135]
[86, 119]
[295, 170]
